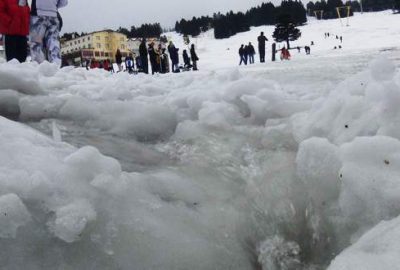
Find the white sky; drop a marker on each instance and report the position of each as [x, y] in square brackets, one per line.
[90, 15]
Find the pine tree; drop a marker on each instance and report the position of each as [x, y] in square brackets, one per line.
[397, 5]
[286, 30]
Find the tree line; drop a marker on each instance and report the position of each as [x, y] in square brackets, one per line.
[147, 30]
[229, 24]
[327, 9]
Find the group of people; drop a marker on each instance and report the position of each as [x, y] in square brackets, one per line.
[246, 53]
[159, 60]
[340, 38]
[327, 35]
[40, 23]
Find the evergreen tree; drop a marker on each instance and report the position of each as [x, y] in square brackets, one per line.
[397, 5]
[286, 30]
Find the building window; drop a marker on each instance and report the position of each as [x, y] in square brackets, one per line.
[98, 37]
[108, 46]
[97, 54]
[98, 45]
[123, 46]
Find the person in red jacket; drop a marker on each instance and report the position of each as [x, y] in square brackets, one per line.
[14, 25]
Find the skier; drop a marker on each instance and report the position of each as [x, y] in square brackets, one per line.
[194, 57]
[251, 52]
[173, 54]
[261, 46]
[144, 62]
[241, 55]
[118, 60]
[45, 30]
[14, 25]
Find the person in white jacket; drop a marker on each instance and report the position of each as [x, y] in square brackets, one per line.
[45, 30]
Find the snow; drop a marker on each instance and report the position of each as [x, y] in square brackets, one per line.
[285, 165]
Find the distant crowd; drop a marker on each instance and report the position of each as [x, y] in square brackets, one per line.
[247, 52]
[160, 61]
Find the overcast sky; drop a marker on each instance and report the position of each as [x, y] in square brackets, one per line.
[91, 15]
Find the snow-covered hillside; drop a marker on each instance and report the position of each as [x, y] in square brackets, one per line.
[285, 165]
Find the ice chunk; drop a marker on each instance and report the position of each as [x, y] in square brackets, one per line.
[9, 104]
[318, 166]
[13, 214]
[370, 179]
[377, 249]
[89, 162]
[72, 219]
[56, 132]
[21, 78]
[277, 254]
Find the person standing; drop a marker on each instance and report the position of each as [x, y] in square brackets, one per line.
[164, 61]
[14, 25]
[153, 58]
[194, 57]
[261, 46]
[186, 60]
[241, 55]
[144, 61]
[45, 30]
[173, 54]
[129, 63]
[118, 60]
[252, 52]
[246, 54]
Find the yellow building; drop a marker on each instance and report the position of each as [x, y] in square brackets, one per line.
[101, 45]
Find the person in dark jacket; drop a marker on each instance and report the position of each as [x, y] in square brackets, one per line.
[153, 58]
[118, 60]
[173, 54]
[246, 54]
[251, 52]
[14, 25]
[186, 60]
[144, 62]
[164, 61]
[241, 55]
[261, 46]
[194, 57]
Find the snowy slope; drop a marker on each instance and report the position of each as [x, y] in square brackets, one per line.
[285, 165]
[368, 32]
